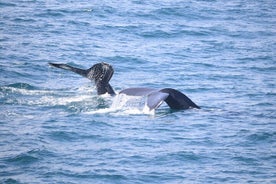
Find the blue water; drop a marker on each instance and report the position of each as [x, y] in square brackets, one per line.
[55, 129]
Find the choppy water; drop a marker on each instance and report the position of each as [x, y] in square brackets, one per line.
[55, 129]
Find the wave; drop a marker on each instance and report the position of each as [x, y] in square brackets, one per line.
[7, 4]
[21, 89]
[266, 137]
[26, 94]
[22, 86]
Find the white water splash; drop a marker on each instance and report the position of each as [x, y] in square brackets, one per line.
[46, 97]
[126, 105]
[81, 97]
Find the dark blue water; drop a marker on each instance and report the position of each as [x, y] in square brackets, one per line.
[55, 129]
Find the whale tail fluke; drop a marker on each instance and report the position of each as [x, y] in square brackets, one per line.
[99, 73]
[177, 100]
[174, 98]
[70, 68]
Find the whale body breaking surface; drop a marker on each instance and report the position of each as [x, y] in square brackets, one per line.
[101, 73]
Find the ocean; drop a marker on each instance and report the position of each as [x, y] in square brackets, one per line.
[54, 128]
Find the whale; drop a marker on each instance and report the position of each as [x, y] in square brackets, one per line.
[101, 74]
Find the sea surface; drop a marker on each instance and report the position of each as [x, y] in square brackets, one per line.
[55, 129]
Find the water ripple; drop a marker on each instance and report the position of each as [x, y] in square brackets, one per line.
[55, 129]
